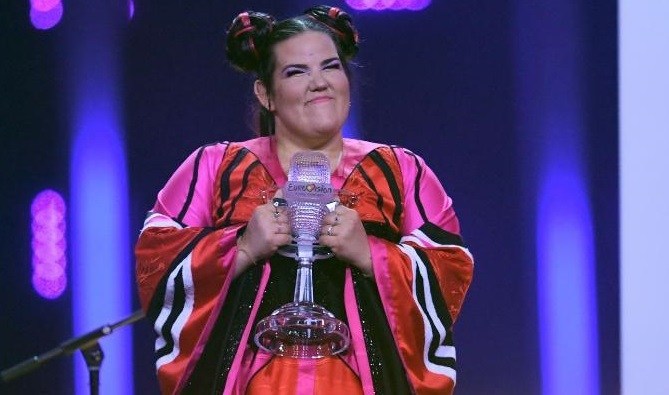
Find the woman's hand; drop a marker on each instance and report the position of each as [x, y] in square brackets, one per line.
[267, 230]
[343, 232]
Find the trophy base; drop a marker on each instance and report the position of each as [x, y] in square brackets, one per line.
[302, 330]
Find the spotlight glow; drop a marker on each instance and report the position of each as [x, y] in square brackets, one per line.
[48, 244]
[393, 5]
[100, 252]
[44, 20]
[400, 4]
[101, 267]
[131, 9]
[565, 281]
[44, 5]
[418, 5]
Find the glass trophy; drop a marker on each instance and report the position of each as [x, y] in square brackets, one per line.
[303, 329]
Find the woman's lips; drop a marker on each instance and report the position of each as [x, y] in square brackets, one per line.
[319, 99]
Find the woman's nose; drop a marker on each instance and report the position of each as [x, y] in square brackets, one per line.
[318, 81]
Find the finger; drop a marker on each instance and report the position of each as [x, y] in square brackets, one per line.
[340, 212]
[283, 240]
[329, 241]
[282, 219]
[331, 219]
[328, 230]
[283, 228]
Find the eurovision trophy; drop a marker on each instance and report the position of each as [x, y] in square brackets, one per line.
[303, 329]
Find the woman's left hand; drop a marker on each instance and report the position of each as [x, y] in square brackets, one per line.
[343, 232]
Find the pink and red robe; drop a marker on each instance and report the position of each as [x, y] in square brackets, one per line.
[401, 321]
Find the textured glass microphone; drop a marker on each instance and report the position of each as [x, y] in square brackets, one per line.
[307, 192]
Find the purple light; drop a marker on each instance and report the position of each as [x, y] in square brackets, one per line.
[48, 244]
[47, 252]
[357, 4]
[394, 5]
[400, 5]
[49, 281]
[565, 271]
[48, 205]
[381, 5]
[131, 9]
[418, 5]
[44, 20]
[101, 267]
[42, 233]
[44, 5]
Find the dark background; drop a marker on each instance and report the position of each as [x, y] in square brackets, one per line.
[441, 82]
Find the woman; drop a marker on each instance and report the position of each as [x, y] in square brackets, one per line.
[207, 263]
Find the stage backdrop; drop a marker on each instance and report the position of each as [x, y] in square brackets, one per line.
[513, 104]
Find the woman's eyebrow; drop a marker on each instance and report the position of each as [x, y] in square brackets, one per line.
[295, 66]
[304, 66]
[330, 60]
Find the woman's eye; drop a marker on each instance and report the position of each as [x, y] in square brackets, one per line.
[333, 66]
[292, 72]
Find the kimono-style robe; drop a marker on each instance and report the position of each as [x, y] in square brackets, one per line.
[400, 321]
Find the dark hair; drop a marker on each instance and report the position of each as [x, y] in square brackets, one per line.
[252, 36]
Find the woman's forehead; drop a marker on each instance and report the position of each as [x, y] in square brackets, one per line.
[305, 47]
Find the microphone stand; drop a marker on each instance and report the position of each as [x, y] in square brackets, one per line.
[90, 349]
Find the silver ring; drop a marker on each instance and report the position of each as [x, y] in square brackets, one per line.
[276, 214]
[329, 231]
[279, 202]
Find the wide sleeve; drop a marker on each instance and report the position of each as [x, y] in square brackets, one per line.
[422, 279]
[184, 265]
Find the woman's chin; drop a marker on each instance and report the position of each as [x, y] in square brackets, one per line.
[326, 131]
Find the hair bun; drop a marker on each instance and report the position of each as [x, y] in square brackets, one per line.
[341, 24]
[246, 39]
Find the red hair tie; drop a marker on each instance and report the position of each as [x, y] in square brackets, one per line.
[246, 21]
[333, 12]
[334, 30]
[244, 30]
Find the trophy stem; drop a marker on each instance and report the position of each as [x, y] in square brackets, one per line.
[302, 329]
[304, 285]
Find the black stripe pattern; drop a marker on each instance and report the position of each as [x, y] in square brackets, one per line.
[179, 295]
[193, 183]
[441, 309]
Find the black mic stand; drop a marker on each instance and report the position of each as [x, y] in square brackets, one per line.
[90, 349]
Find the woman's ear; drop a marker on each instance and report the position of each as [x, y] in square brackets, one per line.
[261, 93]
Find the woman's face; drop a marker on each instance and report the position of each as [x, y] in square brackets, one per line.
[310, 97]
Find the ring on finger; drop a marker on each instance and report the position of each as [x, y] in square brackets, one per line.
[279, 202]
[329, 231]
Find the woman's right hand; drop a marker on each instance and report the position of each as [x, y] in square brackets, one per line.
[267, 230]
